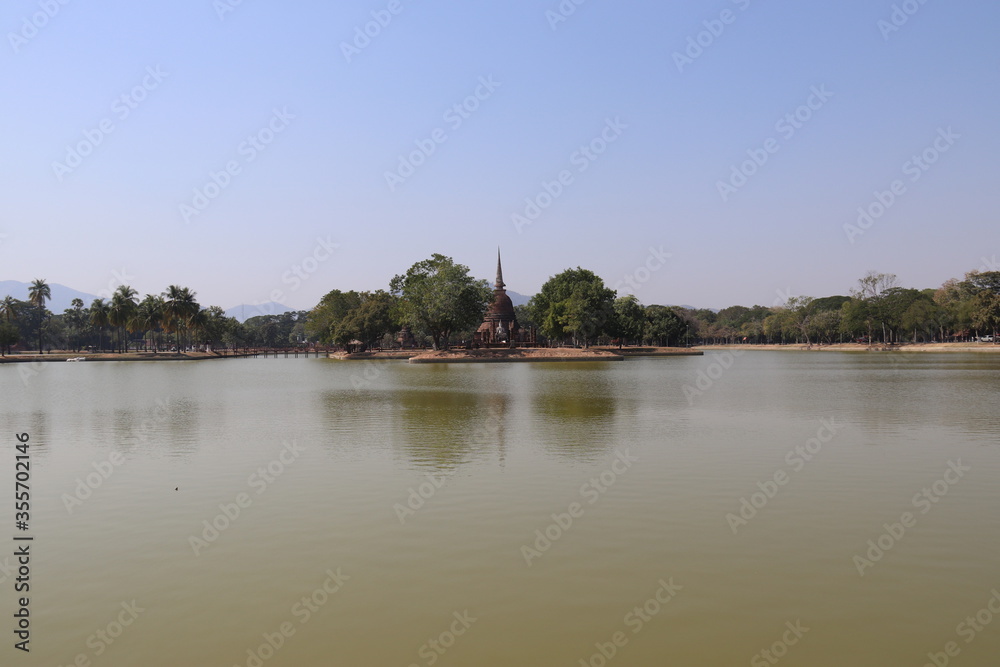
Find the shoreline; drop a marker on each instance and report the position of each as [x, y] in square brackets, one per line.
[110, 356]
[505, 355]
[516, 355]
[862, 347]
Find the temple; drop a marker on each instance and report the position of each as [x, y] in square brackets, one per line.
[500, 327]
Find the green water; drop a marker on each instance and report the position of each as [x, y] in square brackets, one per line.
[397, 524]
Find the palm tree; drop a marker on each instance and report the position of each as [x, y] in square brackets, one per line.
[179, 307]
[99, 319]
[38, 294]
[121, 312]
[75, 319]
[149, 316]
[10, 308]
[198, 322]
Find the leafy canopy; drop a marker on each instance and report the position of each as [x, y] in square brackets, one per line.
[439, 297]
[575, 304]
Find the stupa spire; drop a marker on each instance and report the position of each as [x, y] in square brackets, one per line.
[500, 283]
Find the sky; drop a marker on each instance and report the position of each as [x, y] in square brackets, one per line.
[703, 153]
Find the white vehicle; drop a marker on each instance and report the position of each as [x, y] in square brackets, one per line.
[986, 339]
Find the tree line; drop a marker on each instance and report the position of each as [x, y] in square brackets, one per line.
[877, 311]
[439, 300]
[441, 303]
[170, 321]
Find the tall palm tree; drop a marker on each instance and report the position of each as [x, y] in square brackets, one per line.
[38, 293]
[121, 312]
[99, 319]
[149, 316]
[179, 307]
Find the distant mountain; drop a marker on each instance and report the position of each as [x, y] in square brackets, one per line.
[62, 296]
[245, 311]
[518, 299]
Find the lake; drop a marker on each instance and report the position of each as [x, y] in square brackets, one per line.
[820, 509]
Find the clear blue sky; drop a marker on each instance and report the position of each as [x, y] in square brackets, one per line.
[555, 85]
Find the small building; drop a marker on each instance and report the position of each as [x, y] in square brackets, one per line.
[405, 338]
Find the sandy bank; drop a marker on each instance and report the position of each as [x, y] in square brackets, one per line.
[384, 354]
[654, 351]
[511, 356]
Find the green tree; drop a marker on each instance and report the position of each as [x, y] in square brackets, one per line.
[874, 291]
[121, 313]
[662, 325]
[986, 316]
[524, 317]
[576, 304]
[75, 320]
[211, 325]
[856, 318]
[10, 308]
[781, 325]
[269, 333]
[824, 325]
[149, 318]
[270, 330]
[924, 318]
[9, 335]
[630, 319]
[235, 335]
[895, 302]
[38, 293]
[983, 281]
[439, 297]
[179, 308]
[99, 318]
[326, 322]
[983, 296]
[826, 318]
[372, 318]
[828, 303]
[797, 317]
[693, 324]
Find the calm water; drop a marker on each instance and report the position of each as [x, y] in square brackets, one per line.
[414, 493]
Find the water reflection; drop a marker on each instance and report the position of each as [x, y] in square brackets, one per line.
[172, 426]
[576, 418]
[39, 433]
[444, 429]
[893, 389]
